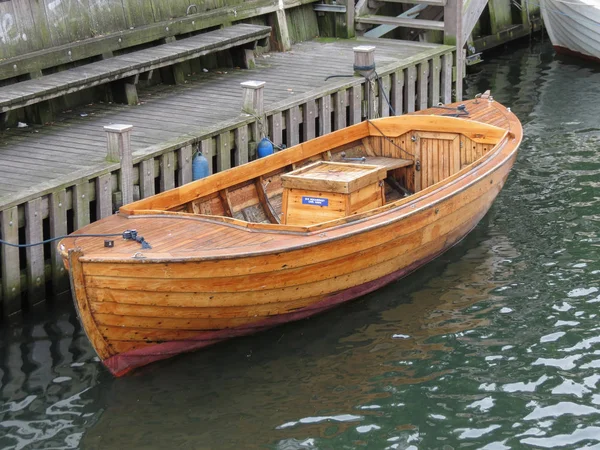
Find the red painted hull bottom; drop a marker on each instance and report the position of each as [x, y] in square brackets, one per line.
[569, 52]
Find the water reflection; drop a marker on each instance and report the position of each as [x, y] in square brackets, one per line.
[47, 367]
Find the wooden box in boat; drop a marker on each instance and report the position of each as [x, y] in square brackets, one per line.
[328, 190]
[222, 265]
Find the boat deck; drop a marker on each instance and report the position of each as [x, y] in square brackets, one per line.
[39, 158]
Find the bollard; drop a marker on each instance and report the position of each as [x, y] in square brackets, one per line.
[253, 104]
[118, 143]
[364, 64]
[253, 99]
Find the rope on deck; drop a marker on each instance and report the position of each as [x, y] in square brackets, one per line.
[128, 235]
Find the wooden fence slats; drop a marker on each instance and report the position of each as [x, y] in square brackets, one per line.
[58, 227]
[104, 196]
[167, 171]
[355, 100]
[397, 91]
[435, 69]
[81, 205]
[36, 280]
[276, 126]
[325, 115]
[309, 116]
[447, 78]
[339, 114]
[184, 164]
[147, 178]
[384, 96]
[208, 150]
[411, 75]
[9, 256]
[292, 126]
[241, 145]
[422, 85]
[223, 152]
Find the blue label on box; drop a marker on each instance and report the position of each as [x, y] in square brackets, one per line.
[316, 201]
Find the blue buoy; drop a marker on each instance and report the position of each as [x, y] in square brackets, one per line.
[199, 167]
[265, 147]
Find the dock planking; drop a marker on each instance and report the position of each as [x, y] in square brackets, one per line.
[76, 140]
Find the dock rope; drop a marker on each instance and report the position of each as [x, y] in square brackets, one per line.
[128, 235]
[460, 110]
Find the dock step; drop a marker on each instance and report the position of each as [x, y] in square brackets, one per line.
[402, 22]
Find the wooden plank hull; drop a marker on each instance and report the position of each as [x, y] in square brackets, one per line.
[573, 27]
[138, 307]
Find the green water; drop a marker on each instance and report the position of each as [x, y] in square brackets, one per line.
[494, 345]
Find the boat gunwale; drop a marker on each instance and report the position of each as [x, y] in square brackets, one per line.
[259, 227]
[297, 153]
[405, 204]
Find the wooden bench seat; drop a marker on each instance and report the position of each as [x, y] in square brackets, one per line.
[128, 66]
[388, 163]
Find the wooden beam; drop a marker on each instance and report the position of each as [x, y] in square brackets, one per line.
[224, 196]
[280, 28]
[264, 200]
[453, 35]
[57, 212]
[381, 30]
[402, 22]
[11, 274]
[36, 279]
[472, 12]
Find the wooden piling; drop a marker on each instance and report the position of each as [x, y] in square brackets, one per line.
[146, 172]
[453, 35]
[36, 280]
[184, 164]
[253, 103]
[118, 144]
[104, 206]
[58, 227]
[364, 65]
[167, 171]
[9, 256]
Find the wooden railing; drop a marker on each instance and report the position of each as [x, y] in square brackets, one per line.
[95, 193]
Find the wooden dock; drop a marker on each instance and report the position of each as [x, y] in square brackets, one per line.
[55, 178]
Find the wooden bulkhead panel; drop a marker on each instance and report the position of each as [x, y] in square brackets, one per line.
[439, 155]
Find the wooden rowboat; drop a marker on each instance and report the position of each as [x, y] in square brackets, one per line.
[289, 235]
[573, 26]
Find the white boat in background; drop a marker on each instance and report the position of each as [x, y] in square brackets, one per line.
[573, 26]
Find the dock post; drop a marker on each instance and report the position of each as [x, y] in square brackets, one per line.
[11, 272]
[118, 145]
[349, 19]
[253, 103]
[278, 22]
[364, 64]
[453, 35]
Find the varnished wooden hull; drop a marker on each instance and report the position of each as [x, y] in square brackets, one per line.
[141, 309]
